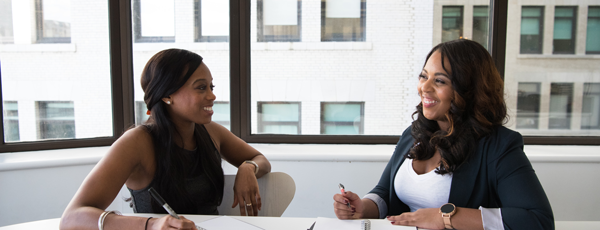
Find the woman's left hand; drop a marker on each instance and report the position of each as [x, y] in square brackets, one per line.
[245, 191]
[429, 218]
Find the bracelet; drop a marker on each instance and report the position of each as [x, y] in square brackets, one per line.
[103, 216]
[255, 166]
[146, 226]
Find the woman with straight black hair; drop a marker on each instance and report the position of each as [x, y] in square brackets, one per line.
[456, 166]
[177, 152]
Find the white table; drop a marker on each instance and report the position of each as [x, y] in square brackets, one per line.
[279, 223]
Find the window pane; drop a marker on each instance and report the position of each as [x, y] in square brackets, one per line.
[452, 23]
[564, 29]
[56, 119]
[153, 20]
[6, 24]
[343, 20]
[480, 25]
[373, 61]
[528, 106]
[199, 27]
[550, 95]
[279, 20]
[561, 99]
[62, 88]
[590, 114]
[53, 21]
[342, 118]
[222, 113]
[212, 20]
[141, 112]
[592, 45]
[279, 117]
[531, 29]
[11, 121]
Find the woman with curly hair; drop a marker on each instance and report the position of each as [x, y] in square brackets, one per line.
[456, 166]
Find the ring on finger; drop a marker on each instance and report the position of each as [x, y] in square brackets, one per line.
[248, 204]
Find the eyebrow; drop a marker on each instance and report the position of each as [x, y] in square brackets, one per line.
[197, 80]
[438, 74]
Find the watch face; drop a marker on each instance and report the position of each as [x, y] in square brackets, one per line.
[447, 208]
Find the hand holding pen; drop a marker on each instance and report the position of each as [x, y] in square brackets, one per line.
[180, 223]
[346, 204]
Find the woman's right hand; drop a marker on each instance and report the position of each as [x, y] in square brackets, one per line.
[169, 222]
[341, 209]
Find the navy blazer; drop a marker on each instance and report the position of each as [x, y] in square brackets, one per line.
[497, 175]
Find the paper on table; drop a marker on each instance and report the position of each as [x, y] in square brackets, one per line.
[333, 224]
[225, 223]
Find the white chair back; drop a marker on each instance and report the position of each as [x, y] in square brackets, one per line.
[277, 190]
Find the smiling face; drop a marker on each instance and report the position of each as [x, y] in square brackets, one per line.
[436, 90]
[193, 102]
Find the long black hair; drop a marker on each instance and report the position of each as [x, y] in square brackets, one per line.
[478, 106]
[163, 75]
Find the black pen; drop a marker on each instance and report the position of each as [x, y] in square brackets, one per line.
[162, 202]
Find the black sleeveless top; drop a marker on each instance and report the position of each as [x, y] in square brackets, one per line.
[197, 185]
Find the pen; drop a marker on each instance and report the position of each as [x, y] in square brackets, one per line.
[162, 202]
[344, 192]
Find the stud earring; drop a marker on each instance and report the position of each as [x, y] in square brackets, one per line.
[168, 102]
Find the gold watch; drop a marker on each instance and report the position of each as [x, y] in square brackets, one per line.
[255, 166]
[447, 211]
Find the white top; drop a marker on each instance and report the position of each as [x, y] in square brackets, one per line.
[429, 190]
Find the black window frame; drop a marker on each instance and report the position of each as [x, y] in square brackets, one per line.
[198, 37]
[597, 18]
[137, 27]
[39, 26]
[540, 41]
[324, 123]
[260, 27]
[354, 38]
[121, 73]
[573, 40]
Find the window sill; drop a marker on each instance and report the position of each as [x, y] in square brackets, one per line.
[558, 56]
[256, 46]
[24, 48]
[288, 152]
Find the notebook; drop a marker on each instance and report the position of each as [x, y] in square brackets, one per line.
[323, 223]
[225, 223]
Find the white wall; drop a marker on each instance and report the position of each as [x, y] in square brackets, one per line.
[39, 185]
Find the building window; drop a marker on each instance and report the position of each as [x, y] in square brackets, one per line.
[343, 20]
[592, 45]
[528, 105]
[279, 20]
[56, 119]
[212, 20]
[561, 100]
[153, 20]
[279, 117]
[6, 22]
[565, 29]
[222, 113]
[590, 114]
[141, 112]
[480, 25]
[532, 29]
[342, 118]
[53, 21]
[452, 23]
[11, 121]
